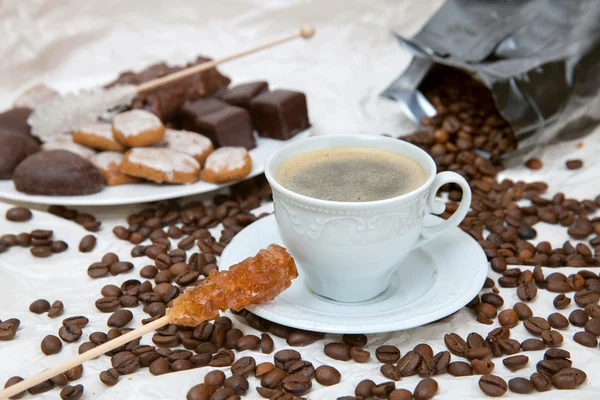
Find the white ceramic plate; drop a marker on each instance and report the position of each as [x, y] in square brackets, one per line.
[435, 281]
[146, 192]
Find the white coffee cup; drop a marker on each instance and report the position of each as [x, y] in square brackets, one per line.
[347, 251]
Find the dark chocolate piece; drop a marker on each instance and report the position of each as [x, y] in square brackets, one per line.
[229, 126]
[280, 114]
[57, 173]
[166, 101]
[192, 110]
[14, 148]
[241, 95]
[15, 120]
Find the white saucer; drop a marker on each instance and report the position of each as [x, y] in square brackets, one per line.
[435, 281]
[148, 191]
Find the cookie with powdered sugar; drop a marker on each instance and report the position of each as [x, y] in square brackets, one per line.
[227, 164]
[160, 165]
[137, 128]
[97, 136]
[108, 163]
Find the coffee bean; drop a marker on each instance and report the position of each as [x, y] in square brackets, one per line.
[383, 389]
[41, 251]
[273, 378]
[585, 339]
[71, 392]
[222, 394]
[541, 382]
[486, 309]
[248, 342]
[359, 355]
[70, 333]
[492, 385]
[385, 354]
[218, 336]
[327, 376]
[87, 243]
[98, 338]
[339, 351]
[222, 359]
[200, 392]
[283, 357]
[74, 373]
[520, 385]
[364, 388]
[574, 164]
[533, 345]
[263, 368]
[160, 366]
[18, 214]
[165, 339]
[585, 297]
[526, 291]
[426, 389]
[593, 326]
[125, 362]
[39, 306]
[552, 338]
[558, 321]
[231, 337]
[60, 380]
[460, 368]
[97, 270]
[578, 318]
[441, 359]
[568, 378]
[41, 387]
[356, 340]
[300, 338]
[482, 367]
[266, 343]
[400, 394]
[80, 321]
[214, 378]
[243, 366]
[536, 325]
[493, 299]
[478, 353]
[156, 308]
[108, 304]
[120, 267]
[51, 345]
[409, 364]
[56, 309]
[279, 330]
[548, 367]
[390, 371]
[455, 344]
[508, 318]
[58, 246]
[515, 362]
[120, 318]
[238, 384]
[149, 271]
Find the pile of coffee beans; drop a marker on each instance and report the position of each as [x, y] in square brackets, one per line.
[88, 221]
[39, 241]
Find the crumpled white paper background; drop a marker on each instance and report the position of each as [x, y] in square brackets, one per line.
[71, 44]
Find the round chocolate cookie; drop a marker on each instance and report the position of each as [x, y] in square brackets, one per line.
[57, 173]
[14, 148]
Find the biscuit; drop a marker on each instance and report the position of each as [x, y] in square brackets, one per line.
[14, 148]
[108, 162]
[227, 164]
[160, 165]
[35, 95]
[15, 120]
[65, 142]
[137, 128]
[97, 136]
[57, 173]
[192, 143]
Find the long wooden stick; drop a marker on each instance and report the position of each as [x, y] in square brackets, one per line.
[80, 359]
[306, 32]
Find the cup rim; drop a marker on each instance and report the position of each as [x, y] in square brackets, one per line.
[432, 171]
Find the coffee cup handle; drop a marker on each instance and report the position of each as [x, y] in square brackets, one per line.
[436, 206]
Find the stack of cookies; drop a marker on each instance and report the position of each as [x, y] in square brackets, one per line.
[177, 134]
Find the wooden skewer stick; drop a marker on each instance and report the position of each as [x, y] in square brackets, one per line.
[80, 359]
[306, 32]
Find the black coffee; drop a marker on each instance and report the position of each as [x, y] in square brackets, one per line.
[351, 174]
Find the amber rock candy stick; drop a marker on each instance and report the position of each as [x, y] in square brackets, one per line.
[255, 280]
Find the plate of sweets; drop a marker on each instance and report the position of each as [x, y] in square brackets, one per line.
[192, 136]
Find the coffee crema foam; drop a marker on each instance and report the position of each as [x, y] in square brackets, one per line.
[351, 174]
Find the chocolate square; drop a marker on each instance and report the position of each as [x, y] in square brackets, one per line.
[280, 114]
[241, 95]
[228, 126]
[192, 110]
